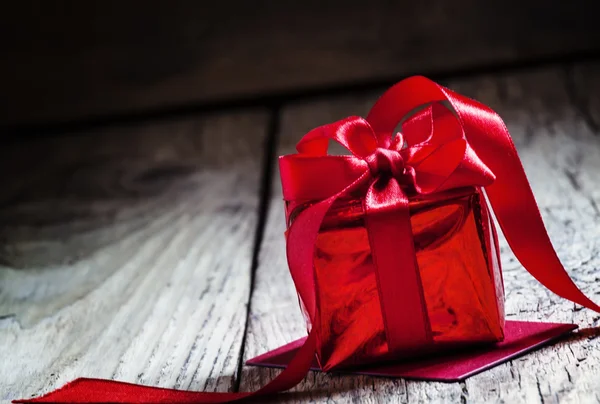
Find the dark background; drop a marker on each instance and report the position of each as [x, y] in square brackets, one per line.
[72, 61]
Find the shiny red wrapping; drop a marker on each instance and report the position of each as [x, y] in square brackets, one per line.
[457, 256]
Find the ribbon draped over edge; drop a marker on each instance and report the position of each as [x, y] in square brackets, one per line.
[436, 151]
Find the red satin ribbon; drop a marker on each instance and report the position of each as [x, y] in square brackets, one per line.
[442, 153]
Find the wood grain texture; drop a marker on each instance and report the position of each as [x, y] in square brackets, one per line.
[78, 60]
[126, 253]
[560, 150]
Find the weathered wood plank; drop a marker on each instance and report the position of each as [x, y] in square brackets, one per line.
[76, 60]
[561, 155]
[126, 253]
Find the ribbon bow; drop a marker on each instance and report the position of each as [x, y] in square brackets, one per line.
[437, 157]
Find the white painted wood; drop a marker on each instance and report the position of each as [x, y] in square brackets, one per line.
[126, 253]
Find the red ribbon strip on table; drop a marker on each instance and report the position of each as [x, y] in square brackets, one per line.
[441, 153]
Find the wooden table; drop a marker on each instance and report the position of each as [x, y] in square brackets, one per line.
[153, 252]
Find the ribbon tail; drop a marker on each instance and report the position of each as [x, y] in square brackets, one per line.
[302, 238]
[109, 391]
[513, 202]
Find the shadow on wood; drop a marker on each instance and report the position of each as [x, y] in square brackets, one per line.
[79, 60]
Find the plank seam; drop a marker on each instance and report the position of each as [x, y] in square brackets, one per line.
[269, 148]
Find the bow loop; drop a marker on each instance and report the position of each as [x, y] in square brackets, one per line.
[439, 152]
[354, 133]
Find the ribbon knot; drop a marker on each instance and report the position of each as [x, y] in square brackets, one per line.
[385, 161]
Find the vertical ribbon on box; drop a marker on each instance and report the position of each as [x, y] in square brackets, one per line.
[387, 220]
[438, 157]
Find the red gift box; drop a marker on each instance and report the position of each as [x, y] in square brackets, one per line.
[458, 277]
[393, 252]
